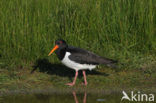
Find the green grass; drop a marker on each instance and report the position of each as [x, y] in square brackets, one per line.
[122, 30]
[108, 79]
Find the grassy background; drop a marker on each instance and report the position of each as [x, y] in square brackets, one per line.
[120, 29]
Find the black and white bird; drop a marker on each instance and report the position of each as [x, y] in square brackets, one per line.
[78, 59]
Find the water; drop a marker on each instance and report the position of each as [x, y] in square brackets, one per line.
[63, 97]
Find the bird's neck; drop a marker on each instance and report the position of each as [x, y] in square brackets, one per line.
[60, 53]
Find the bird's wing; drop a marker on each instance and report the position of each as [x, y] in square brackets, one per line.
[86, 57]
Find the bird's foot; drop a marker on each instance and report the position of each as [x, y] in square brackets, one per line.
[84, 84]
[70, 84]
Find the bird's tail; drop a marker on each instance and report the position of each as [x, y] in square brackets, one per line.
[110, 62]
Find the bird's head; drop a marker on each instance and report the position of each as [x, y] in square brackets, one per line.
[59, 44]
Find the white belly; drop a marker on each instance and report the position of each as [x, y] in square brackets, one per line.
[73, 65]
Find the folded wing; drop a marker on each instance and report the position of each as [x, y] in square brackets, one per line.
[86, 57]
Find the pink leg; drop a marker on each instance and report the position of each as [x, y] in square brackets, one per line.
[84, 75]
[73, 83]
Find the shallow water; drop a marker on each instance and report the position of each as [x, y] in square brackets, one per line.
[63, 97]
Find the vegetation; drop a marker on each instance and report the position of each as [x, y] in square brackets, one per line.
[124, 30]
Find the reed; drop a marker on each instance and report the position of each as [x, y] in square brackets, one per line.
[120, 29]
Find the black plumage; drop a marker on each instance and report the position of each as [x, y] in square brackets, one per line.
[86, 57]
[78, 59]
[81, 56]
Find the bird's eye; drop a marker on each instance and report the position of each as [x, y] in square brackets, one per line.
[60, 42]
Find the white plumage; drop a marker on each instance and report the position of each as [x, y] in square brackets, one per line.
[76, 66]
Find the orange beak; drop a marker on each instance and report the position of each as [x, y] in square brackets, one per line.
[56, 47]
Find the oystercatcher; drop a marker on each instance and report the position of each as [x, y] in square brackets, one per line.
[78, 59]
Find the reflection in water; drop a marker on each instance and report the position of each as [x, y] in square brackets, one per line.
[75, 97]
[56, 96]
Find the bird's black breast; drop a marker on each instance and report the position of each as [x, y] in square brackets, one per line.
[60, 53]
